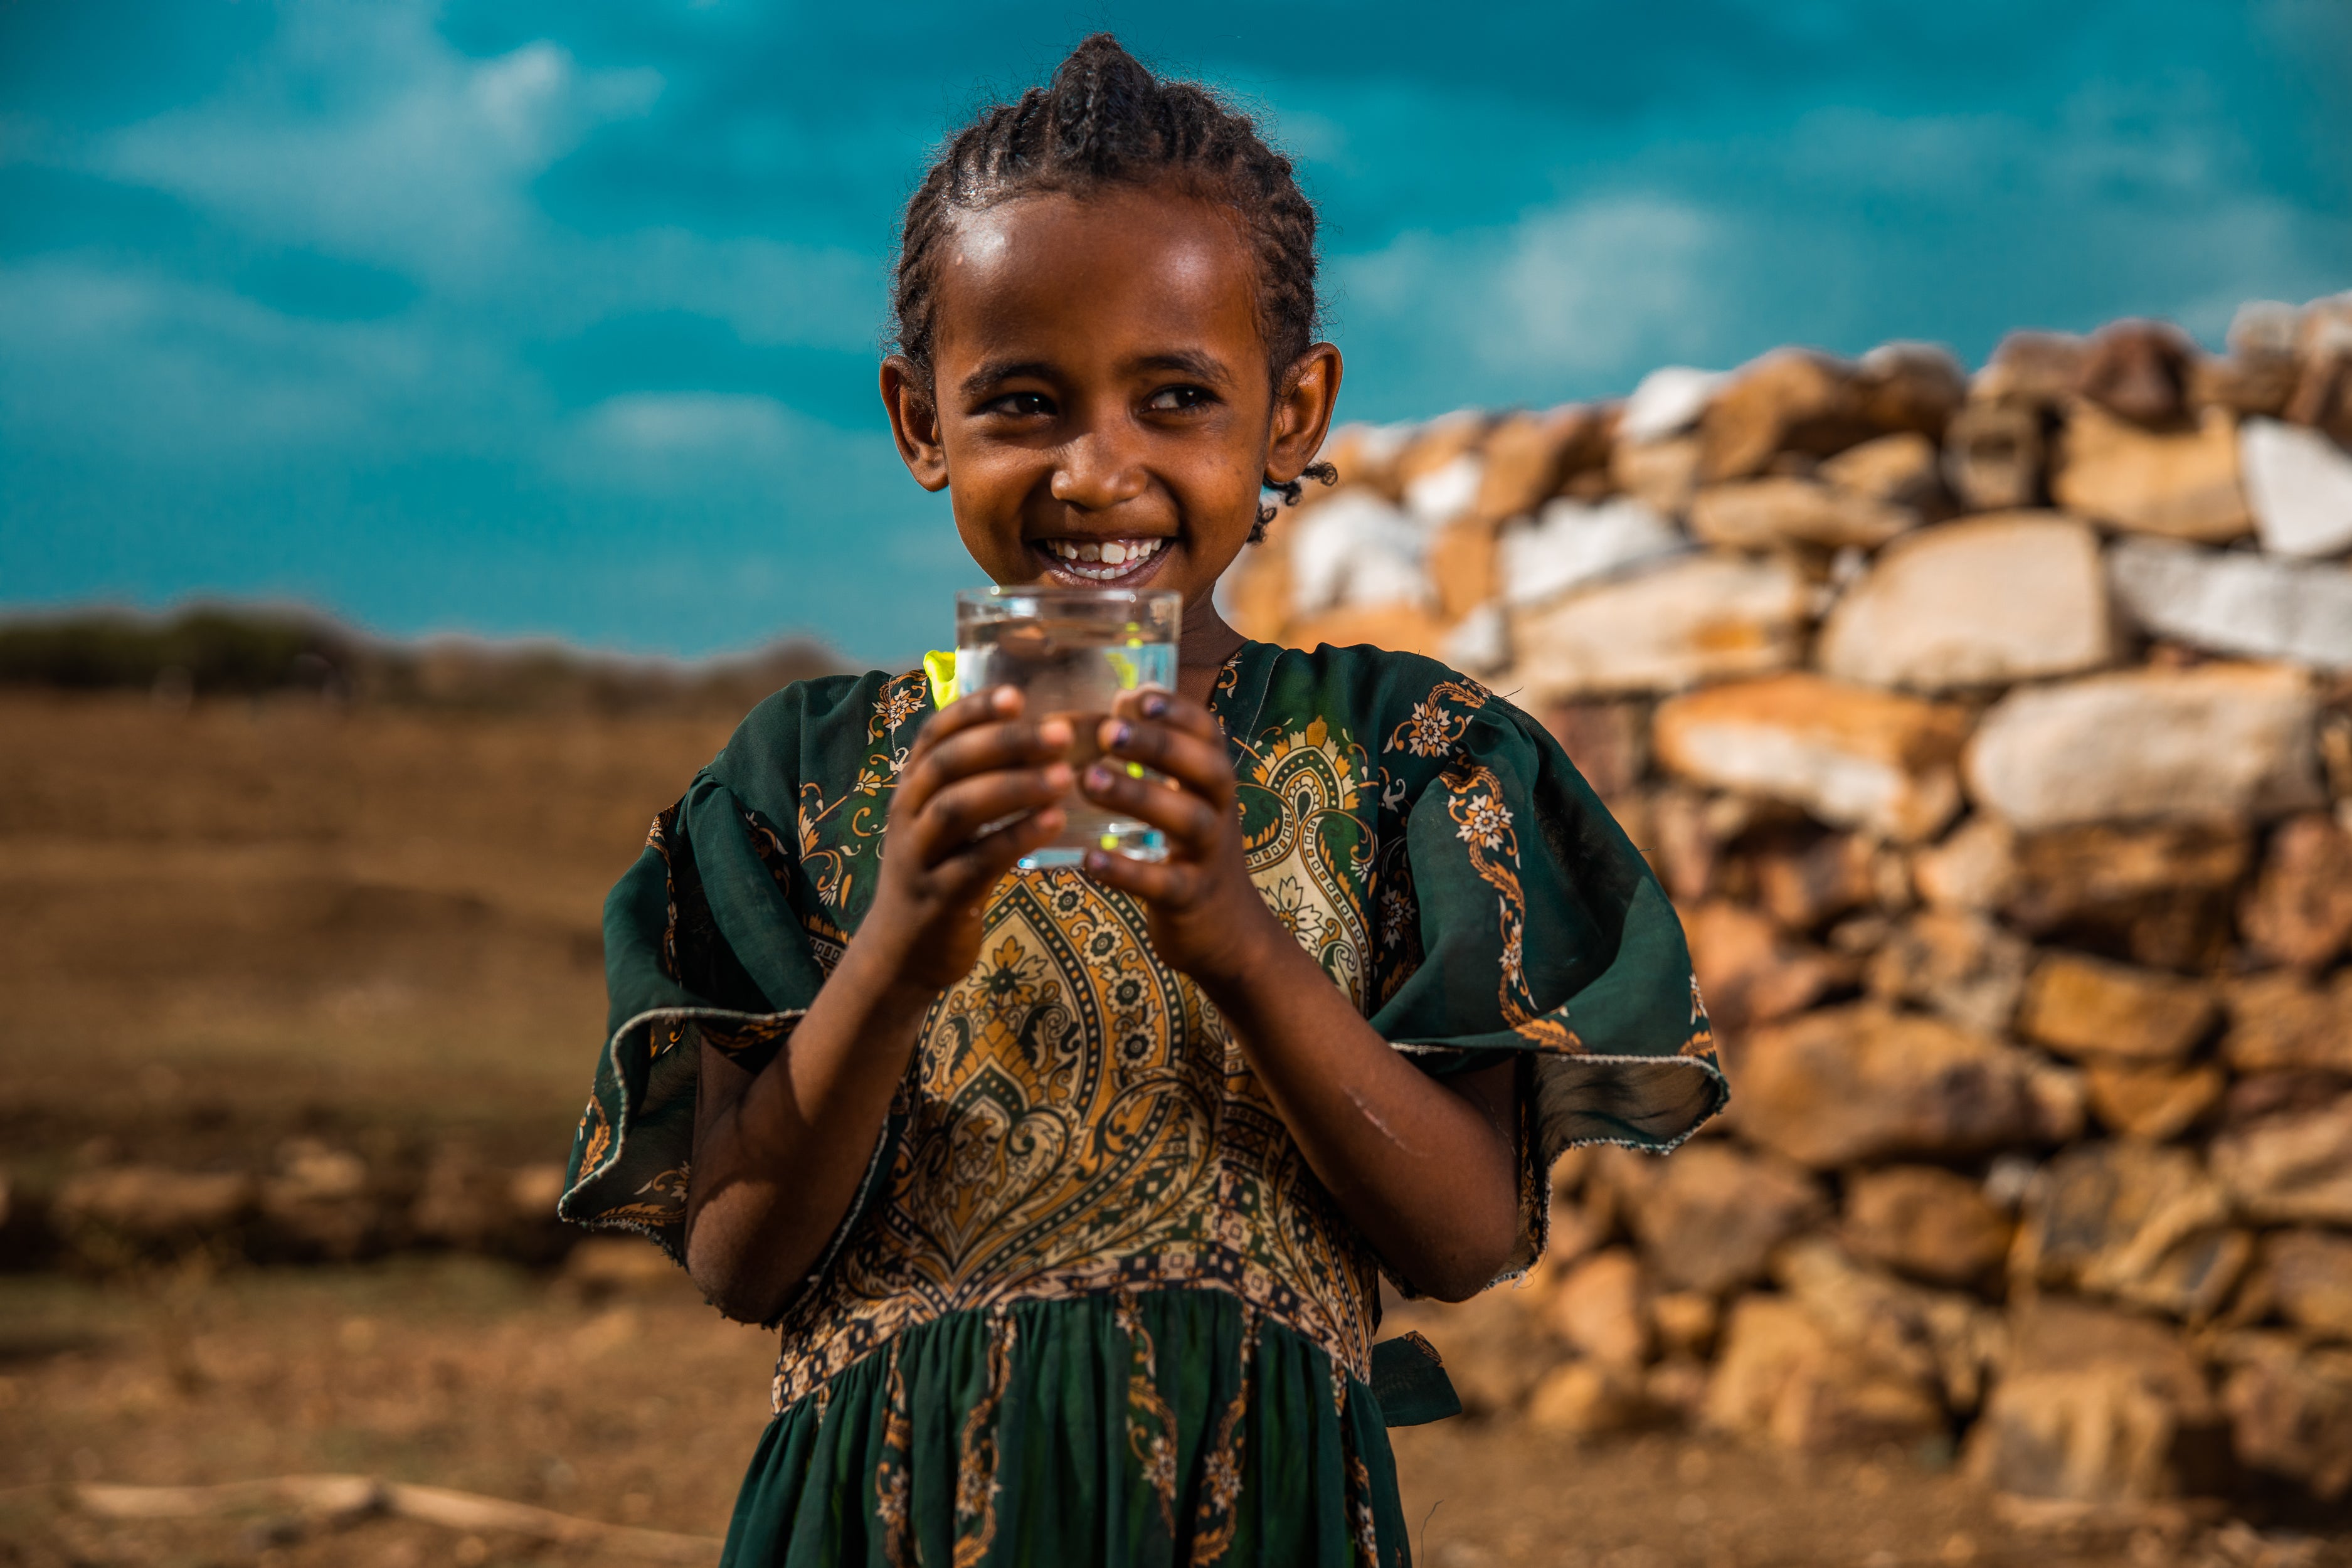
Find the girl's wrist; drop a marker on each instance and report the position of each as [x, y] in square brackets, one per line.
[1261, 952]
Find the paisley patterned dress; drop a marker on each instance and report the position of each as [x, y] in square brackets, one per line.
[1090, 1305]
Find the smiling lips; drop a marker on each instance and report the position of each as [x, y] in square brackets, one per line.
[1102, 560]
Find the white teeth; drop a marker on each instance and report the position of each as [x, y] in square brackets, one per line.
[1110, 558]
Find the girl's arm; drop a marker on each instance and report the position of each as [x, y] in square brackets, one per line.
[779, 1154]
[1425, 1168]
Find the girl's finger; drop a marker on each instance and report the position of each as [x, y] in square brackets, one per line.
[955, 815]
[1197, 763]
[1193, 821]
[914, 783]
[1171, 883]
[980, 749]
[1161, 706]
[965, 876]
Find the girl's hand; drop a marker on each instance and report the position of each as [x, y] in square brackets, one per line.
[977, 762]
[1207, 917]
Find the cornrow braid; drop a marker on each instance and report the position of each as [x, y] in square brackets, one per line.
[1106, 120]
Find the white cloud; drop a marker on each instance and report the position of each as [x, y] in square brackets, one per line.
[1606, 286]
[364, 134]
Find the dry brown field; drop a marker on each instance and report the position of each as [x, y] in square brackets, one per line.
[226, 925]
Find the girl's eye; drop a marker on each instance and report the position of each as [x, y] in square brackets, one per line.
[1021, 405]
[1178, 399]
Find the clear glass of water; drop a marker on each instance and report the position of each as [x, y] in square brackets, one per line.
[1070, 652]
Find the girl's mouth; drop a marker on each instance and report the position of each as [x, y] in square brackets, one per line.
[1114, 563]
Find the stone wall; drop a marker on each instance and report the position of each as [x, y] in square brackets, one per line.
[1994, 735]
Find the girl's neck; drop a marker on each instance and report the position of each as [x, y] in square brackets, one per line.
[1206, 643]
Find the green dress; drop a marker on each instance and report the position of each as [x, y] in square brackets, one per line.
[1090, 1306]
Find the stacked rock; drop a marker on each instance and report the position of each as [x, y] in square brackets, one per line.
[1994, 735]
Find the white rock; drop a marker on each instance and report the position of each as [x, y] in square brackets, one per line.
[2299, 484]
[1572, 542]
[1446, 492]
[1696, 618]
[2223, 741]
[1847, 754]
[2236, 602]
[2014, 597]
[1668, 401]
[1357, 549]
[1480, 642]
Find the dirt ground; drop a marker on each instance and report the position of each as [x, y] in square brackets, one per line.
[224, 925]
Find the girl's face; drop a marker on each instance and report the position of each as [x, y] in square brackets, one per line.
[1100, 410]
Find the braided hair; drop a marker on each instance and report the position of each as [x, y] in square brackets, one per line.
[1105, 120]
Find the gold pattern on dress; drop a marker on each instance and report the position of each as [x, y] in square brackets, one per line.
[893, 1474]
[1474, 800]
[1431, 729]
[1151, 1422]
[1216, 1518]
[1077, 1120]
[976, 1488]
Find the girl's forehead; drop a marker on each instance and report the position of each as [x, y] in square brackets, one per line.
[1123, 252]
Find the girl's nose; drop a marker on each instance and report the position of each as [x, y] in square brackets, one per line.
[1096, 474]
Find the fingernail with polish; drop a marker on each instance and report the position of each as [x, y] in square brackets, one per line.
[1098, 777]
[1122, 731]
[1155, 703]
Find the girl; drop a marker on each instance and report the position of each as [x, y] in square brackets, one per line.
[1071, 1192]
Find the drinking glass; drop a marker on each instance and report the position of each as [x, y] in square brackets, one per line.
[1070, 651]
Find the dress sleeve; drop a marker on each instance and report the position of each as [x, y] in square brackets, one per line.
[1544, 939]
[702, 944]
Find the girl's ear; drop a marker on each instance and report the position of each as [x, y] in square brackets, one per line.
[1302, 403]
[915, 421]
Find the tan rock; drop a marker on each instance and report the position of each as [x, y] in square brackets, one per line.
[1790, 400]
[1402, 628]
[1608, 741]
[1995, 455]
[1972, 869]
[2139, 1223]
[1851, 756]
[2139, 371]
[2222, 741]
[1586, 1399]
[1495, 1347]
[1805, 882]
[2283, 1023]
[2033, 367]
[1959, 964]
[1461, 566]
[1860, 1083]
[2293, 1167]
[2290, 1410]
[1910, 387]
[1529, 456]
[1438, 445]
[1693, 619]
[2154, 1102]
[1758, 514]
[1943, 1339]
[1781, 1378]
[1602, 1309]
[1903, 469]
[2300, 911]
[1926, 1222]
[1661, 475]
[2181, 486]
[2085, 1006]
[1750, 971]
[1686, 1322]
[1984, 601]
[2106, 874]
[2309, 1273]
[1708, 1218]
[2096, 1407]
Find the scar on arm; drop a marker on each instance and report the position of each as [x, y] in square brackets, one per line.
[1382, 1127]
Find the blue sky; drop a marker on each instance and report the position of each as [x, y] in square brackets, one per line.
[560, 318]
